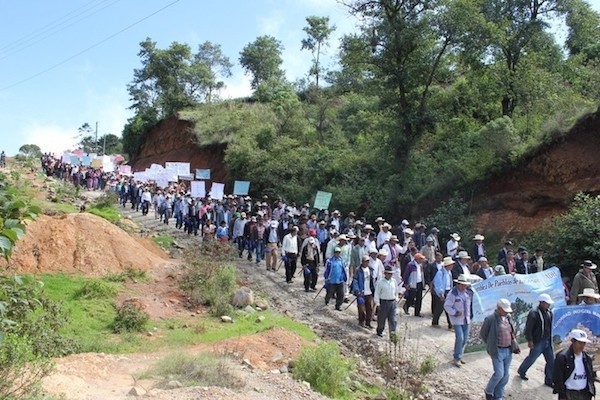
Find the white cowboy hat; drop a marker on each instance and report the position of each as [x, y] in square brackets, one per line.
[479, 237]
[462, 279]
[447, 261]
[463, 254]
[455, 236]
[589, 292]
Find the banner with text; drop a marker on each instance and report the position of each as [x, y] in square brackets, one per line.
[584, 317]
[241, 188]
[521, 290]
[322, 200]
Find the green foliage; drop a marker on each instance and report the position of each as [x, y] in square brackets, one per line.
[30, 150]
[130, 318]
[428, 365]
[203, 369]
[452, 216]
[104, 207]
[129, 274]
[21, 369]
[96, 289]
[324, 367]
[164, 241]
[262, 59]
[572, 237]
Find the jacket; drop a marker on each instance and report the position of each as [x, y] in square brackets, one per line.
[520, 267]
[304, 252]
[534, 326]
[489, 332]
[335, 271]
[439, 282]
[563, 368]
[454, 303]
[358, 281]
[580, 282]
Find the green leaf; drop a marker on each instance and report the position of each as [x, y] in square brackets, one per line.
[10, 234]
[5, 244]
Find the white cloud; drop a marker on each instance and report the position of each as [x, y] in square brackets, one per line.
[50, 138]
[272, 24]
[237, 86]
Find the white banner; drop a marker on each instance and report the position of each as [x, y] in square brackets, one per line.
[217, 191]
[198, 189]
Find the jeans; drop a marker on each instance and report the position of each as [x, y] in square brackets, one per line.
[461, 335]
[260, 251]
[498, 381]
[544, 347]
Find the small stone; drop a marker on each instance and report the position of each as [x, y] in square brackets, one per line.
[226, 319]
[291, 364]
[136, 391]
[260, 318]
[261, 303]
[249, 309]
[307, 384]
[275, 372]
[247, 363]
[174, 385]
[258, 309]
[284, 369]
[277, 356]
[149, 334]
[243, 297]
[381, 396]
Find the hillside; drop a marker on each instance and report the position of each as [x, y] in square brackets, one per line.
[515, 201]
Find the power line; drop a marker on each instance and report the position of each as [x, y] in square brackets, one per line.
[87, 49]
[43, 34]
[49, 25]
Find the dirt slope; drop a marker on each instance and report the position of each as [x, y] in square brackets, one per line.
[81, 243]
[544, 184]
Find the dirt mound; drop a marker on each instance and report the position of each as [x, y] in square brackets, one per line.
[81, 243]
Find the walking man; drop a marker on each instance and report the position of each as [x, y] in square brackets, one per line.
[573, 372]
[497, 332]
[335, 277]
[289, 247]
[539, 339]
[458, 306]
[441, 285]
[385, 299]
[363, 287]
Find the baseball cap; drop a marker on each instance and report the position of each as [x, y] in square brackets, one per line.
[579, 335]
[545, 298]
[505, 305]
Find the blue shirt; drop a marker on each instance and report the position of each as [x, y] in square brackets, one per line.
[335, 271]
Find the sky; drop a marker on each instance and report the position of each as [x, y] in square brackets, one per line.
[64, 63]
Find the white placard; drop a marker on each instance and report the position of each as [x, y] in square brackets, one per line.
[198, 189]
[217, 191]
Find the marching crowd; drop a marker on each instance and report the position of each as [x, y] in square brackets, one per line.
[380, 265]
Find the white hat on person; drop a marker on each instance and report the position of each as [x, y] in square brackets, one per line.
[505, 305]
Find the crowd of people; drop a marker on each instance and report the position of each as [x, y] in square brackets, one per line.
[79, 175]
[377, 264]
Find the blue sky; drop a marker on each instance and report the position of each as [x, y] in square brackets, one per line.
[36, 35]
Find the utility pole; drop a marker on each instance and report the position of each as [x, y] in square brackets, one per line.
[97, 147]
[104, 146]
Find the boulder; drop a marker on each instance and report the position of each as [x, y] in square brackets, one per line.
[136, 391]
[243, 297]
[226, 318]
[261, 303]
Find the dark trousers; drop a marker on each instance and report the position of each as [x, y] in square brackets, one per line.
[575, 395]
[145, 207]
[290, 266]
[387, 312]
[438, 308]
[310, 278]
[415, 299]
[365, 311]
[338, 290]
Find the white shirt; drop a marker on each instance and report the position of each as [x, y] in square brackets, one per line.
[290, 244]
[385, 289]
[382, 237]
[367, 274]
[451, 247]
[578, 378]
[377, 266]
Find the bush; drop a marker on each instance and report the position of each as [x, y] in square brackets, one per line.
[572, 237]
[452, 216]
[130, 318]
[324, 368]
[196, 370]
[107, 200]
[427, 365]
[96, 289]
[130, 273]
[208, 282]
[21, 369]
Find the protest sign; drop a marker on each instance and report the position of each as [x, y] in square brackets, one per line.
[125, 169]
[86, 161]
[178, 168]
[521, 290]
[217, 191]
[198, 189]
[584, 317]
[322, 200]
[189, 177]
[241, 188]
[66, 158]
[74, 160]
[97, 163]
[203, 174]
[156, 167]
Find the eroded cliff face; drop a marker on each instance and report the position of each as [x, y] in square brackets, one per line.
[544, 184]
[172, 139]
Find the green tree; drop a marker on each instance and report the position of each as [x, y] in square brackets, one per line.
[583, 23]
[110, 144]
[30, 150]
[318, 33]
[209, 64]
[262, 60]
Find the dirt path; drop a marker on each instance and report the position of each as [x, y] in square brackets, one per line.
[111, 377]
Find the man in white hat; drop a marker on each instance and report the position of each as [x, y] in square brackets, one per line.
[458, 306]
[573, 374]
[453, 244]
[363, 287]
[375, 263]
[273, 239]
[497, 332]
[585, 278]
[384, 235]
[538, 332]
[478, 249]
[367, 230]
[441, 285]
[588, 297]
[335, 277]
[462, 263]
[309, 258]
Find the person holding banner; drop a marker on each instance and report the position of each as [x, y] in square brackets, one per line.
[539, 339]
[458, 306]
[497, 332]
[573, 371]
